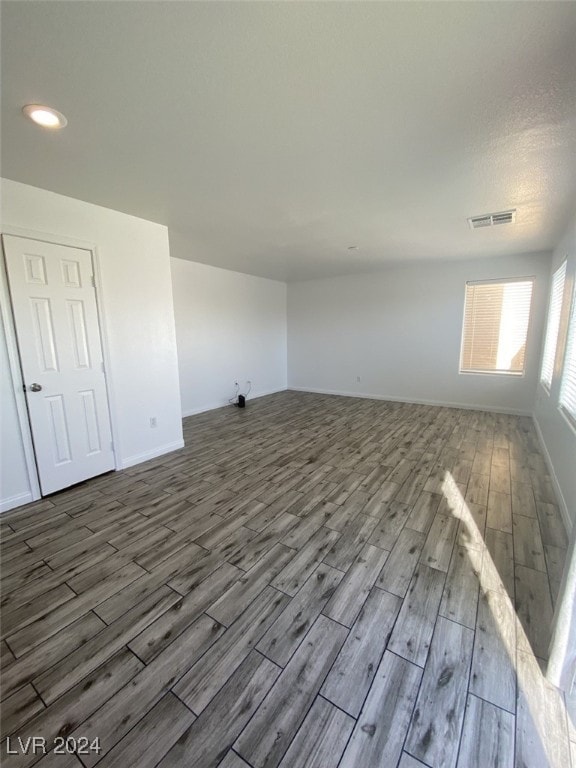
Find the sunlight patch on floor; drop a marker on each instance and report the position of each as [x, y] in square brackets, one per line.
[541, 715]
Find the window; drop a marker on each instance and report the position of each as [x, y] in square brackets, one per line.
[496, 317]
[554, 312]
[568, 384]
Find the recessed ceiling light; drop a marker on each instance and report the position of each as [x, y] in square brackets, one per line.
[352, 247]
[45, 116]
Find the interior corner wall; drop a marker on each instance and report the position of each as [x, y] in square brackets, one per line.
[396, 334]
[135, 297]
[229, 327]
[556, 434]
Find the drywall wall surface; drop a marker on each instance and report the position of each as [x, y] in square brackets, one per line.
[396, 334]
[557, 435]
[134, 291]
[229, 327]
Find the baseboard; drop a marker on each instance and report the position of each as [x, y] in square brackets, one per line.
[140, 457]
[394, 399]
[15, 501]
[223, 403]
[557, 489]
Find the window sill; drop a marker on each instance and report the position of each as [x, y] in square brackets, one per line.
[568, 418]
[512, 374]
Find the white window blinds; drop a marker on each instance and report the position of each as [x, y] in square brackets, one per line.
[496, 318]
[554, 312]
[568, 384]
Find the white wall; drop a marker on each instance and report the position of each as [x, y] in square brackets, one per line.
[135, 295]
[558, 436]
[229, 327]
[400, 331]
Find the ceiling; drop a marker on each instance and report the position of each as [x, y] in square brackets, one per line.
[272, 136]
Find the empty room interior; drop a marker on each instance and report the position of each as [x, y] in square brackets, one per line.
[288, 384]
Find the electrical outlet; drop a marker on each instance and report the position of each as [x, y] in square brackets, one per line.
[358, 379]
[153, 422]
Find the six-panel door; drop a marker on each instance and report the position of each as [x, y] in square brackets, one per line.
[54, 304]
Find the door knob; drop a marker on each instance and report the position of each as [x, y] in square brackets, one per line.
[35, 387]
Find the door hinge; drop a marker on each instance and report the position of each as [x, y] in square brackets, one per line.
[93, 279]
[111, 445]
[103, 369]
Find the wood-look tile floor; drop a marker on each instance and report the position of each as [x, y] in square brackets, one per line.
[312, 582]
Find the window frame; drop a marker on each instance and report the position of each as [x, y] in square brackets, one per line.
[498, 281]
[570, 331]
[547, 387]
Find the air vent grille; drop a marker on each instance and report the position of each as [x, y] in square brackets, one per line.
[492, 219]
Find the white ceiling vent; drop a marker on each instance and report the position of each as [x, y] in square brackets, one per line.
[492, 219]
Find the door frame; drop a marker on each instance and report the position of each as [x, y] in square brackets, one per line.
[14, 352]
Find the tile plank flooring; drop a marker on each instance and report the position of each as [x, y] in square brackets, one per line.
[311, 582]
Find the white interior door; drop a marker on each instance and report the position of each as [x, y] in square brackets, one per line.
[56, 318]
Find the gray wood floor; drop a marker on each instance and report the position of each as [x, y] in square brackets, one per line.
[312, 582]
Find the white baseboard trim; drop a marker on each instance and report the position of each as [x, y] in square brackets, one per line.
[394, 399]
[557, 488]
[140, 457]
[225, 403]
[15, 501]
